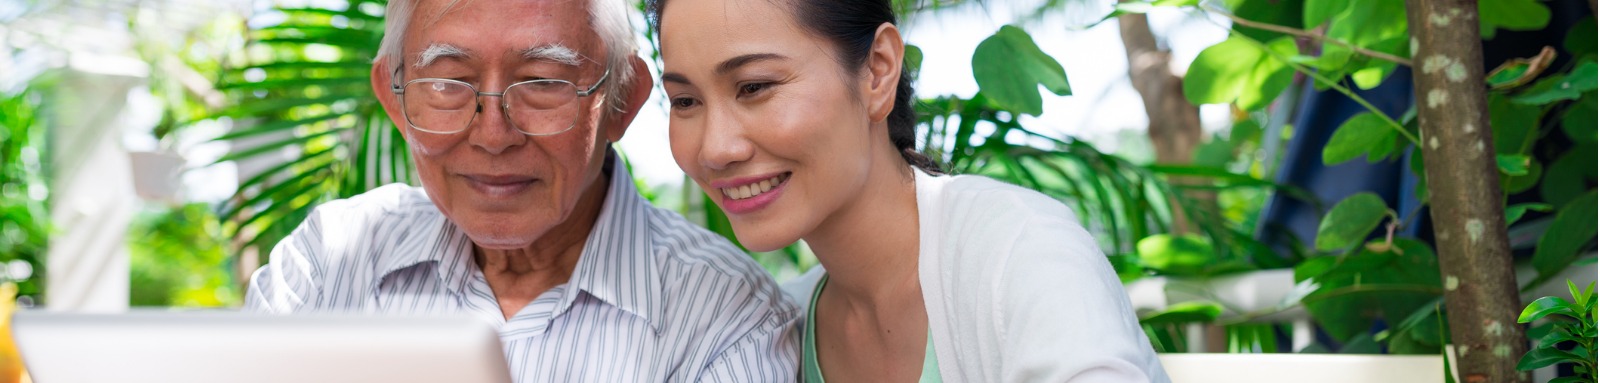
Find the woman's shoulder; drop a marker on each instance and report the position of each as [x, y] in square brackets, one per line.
[966, 202]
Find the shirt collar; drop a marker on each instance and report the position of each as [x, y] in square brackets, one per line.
[617, 264]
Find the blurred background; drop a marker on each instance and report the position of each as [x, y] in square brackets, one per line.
[1249, 166]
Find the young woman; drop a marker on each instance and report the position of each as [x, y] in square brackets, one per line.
[795, 117]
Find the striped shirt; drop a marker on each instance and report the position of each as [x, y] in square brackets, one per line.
[654, 298]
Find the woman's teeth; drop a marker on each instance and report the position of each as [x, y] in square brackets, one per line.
[755, 189]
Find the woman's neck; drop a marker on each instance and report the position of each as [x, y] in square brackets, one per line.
[869, 246]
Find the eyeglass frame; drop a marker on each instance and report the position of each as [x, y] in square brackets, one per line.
[505, 107]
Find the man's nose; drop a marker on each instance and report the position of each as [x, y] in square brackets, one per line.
[491, 130]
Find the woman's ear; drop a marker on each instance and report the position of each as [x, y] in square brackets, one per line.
[883, 71]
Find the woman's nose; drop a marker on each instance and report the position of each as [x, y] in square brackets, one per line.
[725, 141]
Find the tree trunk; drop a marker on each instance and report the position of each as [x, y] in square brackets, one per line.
[1464, 187]
[1174, 122]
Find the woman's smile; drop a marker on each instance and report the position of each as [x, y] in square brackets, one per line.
[749, 194]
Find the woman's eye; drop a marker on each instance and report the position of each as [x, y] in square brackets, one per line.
[753, 88]
[683, 102]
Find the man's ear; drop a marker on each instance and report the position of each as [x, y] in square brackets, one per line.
[382, 79]
[638, 93]
[883, 71]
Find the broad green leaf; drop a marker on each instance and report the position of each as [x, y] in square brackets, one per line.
[1388, 286]
[1574, 227]
[1522, 183]
[1565, 87]
[1270, 77]
[1236, 70]
[1512, 165]
[1350, 221]
[1185, 312]
[1180, 254]
[1546, 306]
[1515, 212]
[1276, 12]
[1009, 68]
[1567, 177]
[1579, 120]
[913, 60]
[1319, 11]
[1370, 22]
[1375, 71]
[1513, 124]
[1580, 40]
[1362, 133]
[1511, 15]
[1220, 72]
[1541, 357]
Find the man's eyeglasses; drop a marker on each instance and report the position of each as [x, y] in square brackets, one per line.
[535, 107]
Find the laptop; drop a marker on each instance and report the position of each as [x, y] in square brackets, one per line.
[184, 347]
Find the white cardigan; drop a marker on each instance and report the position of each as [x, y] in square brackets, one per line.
[1016, 290]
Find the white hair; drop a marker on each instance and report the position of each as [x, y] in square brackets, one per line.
[608, 18]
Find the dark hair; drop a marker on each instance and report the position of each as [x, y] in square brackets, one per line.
[851, 26]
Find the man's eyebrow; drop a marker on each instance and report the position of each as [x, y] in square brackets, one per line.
[437, 51]
[554, 53]
[734, 63]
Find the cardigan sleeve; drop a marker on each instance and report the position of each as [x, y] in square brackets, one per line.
[1063, 315]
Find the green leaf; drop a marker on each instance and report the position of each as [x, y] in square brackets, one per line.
[1541, 357]
[1580, 40]
[1511, 15]
[1371, 286]
[1185, 312]
[1009, 68]
[1545, 306]
[1236, 70]
[1568, 176]
[1276, 12]
[1574, 227]
[1557, 88]
[1320, 11]
[1362, 133]
[1512, 123]
[1181, 254]
[1579, 120]
[913, 60]
[1350, 221]
[1522, 183]
[1512, 165]
[1515, 212]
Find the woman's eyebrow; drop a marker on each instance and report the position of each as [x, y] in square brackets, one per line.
[726, 66]
[730, 65]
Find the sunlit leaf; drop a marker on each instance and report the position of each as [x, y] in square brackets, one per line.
[1361, 134]
[1350, 221]
[1009, 68]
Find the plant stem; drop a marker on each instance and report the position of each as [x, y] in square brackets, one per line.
[1309, 35]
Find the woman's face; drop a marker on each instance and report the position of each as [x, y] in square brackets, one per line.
[763, 117]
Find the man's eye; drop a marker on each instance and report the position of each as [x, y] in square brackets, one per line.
[753, 88]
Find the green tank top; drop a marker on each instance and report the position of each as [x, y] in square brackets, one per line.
[811, 371]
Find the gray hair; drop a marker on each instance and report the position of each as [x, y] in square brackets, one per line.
[608, 18]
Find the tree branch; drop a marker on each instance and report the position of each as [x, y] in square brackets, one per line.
[1310, 35]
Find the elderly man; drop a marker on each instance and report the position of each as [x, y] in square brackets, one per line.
[525, 217]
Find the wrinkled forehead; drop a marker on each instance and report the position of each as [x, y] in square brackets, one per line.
[499, 27]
